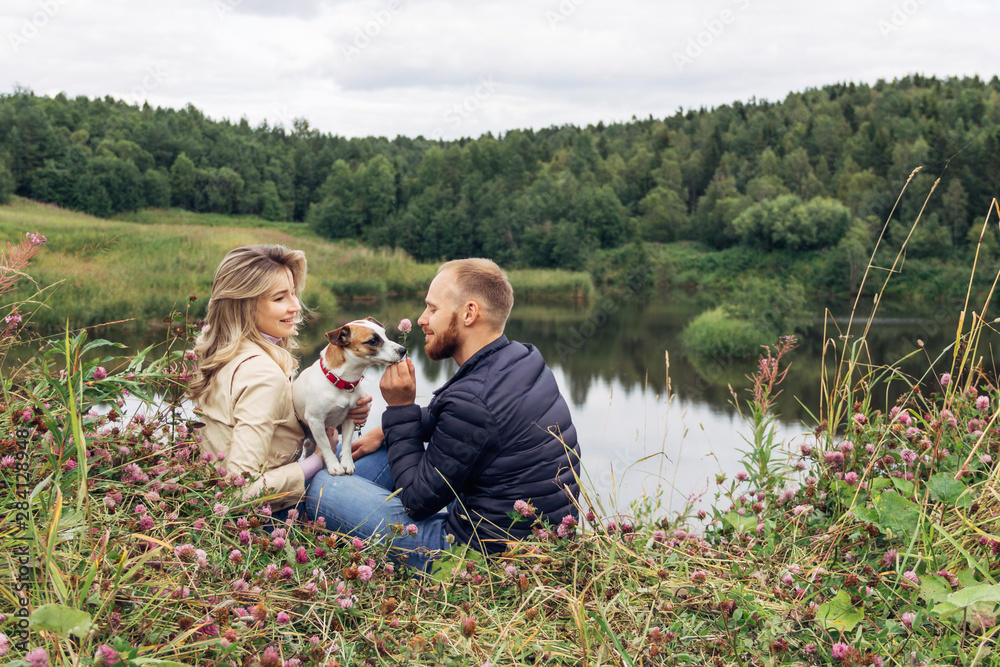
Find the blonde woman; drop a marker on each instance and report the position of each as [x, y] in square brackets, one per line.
[243, 383]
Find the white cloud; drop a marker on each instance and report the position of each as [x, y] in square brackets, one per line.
[388, 67]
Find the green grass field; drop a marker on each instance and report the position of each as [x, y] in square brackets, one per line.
[143, 266]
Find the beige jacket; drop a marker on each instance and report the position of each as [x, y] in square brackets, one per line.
[249, 415]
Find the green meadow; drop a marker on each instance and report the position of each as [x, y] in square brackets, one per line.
[143, 266]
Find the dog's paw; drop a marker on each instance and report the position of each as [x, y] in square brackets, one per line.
[336, 469]
[348, 467]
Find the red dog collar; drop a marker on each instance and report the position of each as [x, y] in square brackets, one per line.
[336, 381]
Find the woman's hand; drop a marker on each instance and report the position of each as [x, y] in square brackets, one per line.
[367, 443]
[360, 413]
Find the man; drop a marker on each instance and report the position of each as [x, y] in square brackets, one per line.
[496, 433]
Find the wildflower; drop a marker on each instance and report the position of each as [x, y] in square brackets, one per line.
[99, 374]
[358, 544]
[132, 474]
[835, 459]
[802, 509]
[270, 658]
[525, 509]
[806, 449]
[146, 522]
[36, 239]
[986, 459]
[680, 534]
[411, 529]
[742, 476]
[860, 419]
[37, 658]
[908, 618]
[278, 543]
[909, 456]
[851, 478]
[405, 325]
[846, 446]
[983, 403]
[283, 618]
[945, 379]
[840, 650]
[890, 557]
[199, 524]
[301, 556]
[468, 626]
[241, 585]
[911, 577]
[236, 556]
[511, 570]
[699, 576]
[786, 495]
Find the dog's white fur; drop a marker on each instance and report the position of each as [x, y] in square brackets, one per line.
[353, 348]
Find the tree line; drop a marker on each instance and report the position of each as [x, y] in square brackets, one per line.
[819, 170]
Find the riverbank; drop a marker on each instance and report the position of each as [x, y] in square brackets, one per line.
[865, 548]
[142, 270]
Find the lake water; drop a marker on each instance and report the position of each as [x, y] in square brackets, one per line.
[610, 359]
[611, 362]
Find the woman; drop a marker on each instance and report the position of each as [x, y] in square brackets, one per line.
[243, 381]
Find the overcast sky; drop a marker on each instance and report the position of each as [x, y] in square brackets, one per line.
[447, 68]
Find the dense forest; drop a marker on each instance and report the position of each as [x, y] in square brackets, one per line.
[821, 169]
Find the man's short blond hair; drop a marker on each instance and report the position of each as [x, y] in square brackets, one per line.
[481, 280]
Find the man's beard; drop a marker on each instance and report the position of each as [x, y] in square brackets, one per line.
[445, 343]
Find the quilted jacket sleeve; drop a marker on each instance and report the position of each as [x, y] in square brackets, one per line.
[461, 437]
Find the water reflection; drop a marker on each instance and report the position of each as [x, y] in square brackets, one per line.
[613, 370]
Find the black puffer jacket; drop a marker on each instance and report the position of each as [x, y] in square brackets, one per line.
[491, 441]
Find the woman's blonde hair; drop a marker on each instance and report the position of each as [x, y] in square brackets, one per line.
[243, 277]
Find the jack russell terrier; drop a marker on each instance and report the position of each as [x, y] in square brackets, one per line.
[324, 392]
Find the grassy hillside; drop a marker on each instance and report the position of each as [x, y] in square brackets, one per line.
[93, 271]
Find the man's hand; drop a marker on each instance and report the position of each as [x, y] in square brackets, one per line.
[360, 413]
[367, 443]
[399, 383]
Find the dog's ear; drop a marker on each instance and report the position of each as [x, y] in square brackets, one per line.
[341, 336]
[372, 319]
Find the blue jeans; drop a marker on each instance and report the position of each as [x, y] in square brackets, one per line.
[359, 505]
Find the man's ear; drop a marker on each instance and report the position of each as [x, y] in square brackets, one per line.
[341, 336]
[471, 313]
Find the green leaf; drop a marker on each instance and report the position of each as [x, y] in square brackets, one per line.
[904, 486]
[61, 620]
[741, 522]
[897, 514]
[839, 613]
[880, 483]
[451, 559]
[973, 594]
[944, 487]
[865, 514]
[934, 589]
[154, 661]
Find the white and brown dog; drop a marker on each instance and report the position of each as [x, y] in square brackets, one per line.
[325, 391]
